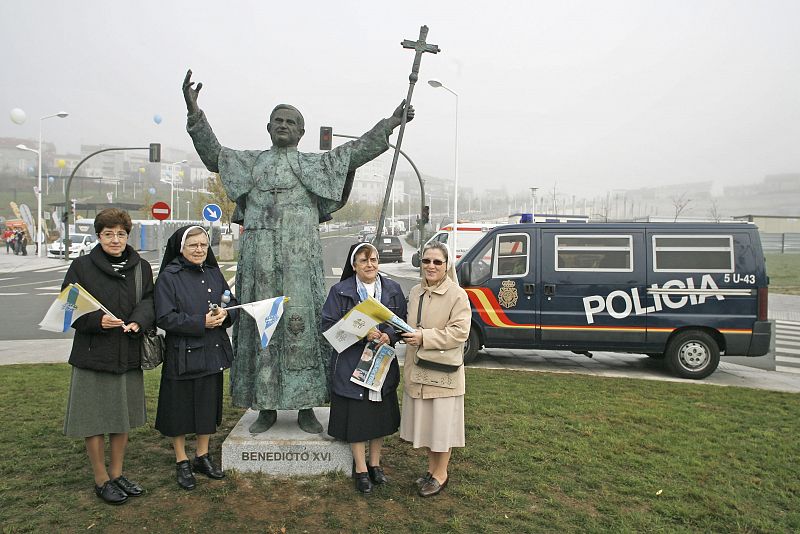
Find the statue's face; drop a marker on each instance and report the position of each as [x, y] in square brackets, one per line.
[284, 128]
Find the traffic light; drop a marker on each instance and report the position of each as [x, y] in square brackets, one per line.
[155, 152]
[325, 137]
[424, 217]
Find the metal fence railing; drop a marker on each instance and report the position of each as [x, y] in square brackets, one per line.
[782, 243]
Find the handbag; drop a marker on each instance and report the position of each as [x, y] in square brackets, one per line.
[443, 360]
[151, 349]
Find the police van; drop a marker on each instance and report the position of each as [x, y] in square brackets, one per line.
[684, 292]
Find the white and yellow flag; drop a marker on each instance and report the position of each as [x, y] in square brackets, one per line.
[73, 302]
[358, 321]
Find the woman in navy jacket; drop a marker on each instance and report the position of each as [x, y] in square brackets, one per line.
[357, 414]
[198, 349]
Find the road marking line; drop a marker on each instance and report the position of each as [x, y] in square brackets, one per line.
[11, 294]
[231, 269]
[52, 269]
[784, 350]
[48, 288]
[794, 370]
[4, 279]
[336, 271]
[33, 283]
[44, 294]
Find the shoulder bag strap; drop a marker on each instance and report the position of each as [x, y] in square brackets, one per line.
[138, 278]
[419, 310]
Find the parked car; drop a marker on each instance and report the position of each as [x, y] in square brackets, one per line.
[80, 245]
[389, 248]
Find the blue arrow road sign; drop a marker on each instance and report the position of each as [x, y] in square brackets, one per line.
[212, 212]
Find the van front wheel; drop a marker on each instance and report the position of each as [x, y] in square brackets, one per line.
[693, 354]
[472, 346]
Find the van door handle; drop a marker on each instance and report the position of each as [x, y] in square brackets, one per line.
[529, 289]
[549, 290]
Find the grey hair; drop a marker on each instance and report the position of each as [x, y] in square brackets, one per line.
[437, 245]
[301, 121]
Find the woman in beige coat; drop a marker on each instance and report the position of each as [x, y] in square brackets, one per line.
[433, 401]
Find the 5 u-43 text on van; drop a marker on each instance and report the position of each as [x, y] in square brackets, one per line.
[684, 292]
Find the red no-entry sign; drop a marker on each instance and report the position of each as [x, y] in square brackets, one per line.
[160, 211]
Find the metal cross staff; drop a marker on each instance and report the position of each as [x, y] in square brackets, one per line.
[420, 47]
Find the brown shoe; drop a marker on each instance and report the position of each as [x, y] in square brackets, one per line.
[423, 479]
[432, 487]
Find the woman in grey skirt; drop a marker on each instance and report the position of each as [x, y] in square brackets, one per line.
[106, 393]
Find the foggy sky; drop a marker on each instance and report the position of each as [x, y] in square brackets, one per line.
[590, 95]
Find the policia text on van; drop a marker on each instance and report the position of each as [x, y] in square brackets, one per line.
[684, 292]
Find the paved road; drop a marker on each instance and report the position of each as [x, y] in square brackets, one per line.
[28, 286]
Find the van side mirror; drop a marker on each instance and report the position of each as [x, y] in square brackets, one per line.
[465, 274]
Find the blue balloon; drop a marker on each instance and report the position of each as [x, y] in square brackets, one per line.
[51, 179]
[152, 190]
[157, 119]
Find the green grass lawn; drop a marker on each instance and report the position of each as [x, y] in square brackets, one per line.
[545, 453]
[784, 273]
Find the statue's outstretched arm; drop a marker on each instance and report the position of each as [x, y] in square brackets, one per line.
[190, 93]
[205, 142]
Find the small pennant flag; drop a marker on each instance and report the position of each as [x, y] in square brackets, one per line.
[73, 302]
[266, 313]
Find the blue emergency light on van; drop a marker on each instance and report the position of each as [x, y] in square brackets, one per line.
[684, 292]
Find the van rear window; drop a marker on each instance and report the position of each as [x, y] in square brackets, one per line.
[690, 253]
[612, 253]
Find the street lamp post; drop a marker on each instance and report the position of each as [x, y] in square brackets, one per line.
[38, 225]
[437, 84]
[533, 203]
[172, 188]
[60, 115]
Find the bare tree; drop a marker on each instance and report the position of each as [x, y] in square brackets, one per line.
[714, 211]
[679, 202]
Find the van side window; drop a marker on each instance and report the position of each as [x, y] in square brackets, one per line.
[481, 265]
[512, 255]
[693, 253]
[611, 253]
[442, 238]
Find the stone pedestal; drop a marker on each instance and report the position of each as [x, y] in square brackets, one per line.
[284, 449]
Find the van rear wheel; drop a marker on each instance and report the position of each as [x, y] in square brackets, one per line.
[472, 346]
[692, 354]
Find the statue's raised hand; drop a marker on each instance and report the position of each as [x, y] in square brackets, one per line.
[398, 113]
[190, 93]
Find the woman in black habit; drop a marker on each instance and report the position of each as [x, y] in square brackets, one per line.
[359, 415]
[198, 349]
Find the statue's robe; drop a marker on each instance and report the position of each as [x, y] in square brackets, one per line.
[284, 193]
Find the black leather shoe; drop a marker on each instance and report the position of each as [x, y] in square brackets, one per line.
[110, 493]
[183, 471]
[421, 481]
[202, 464]
[432, 487]
[377, 475]
[363, 483]
[131, 489]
